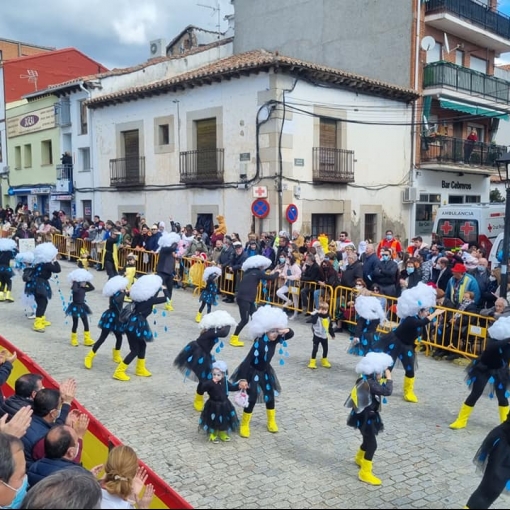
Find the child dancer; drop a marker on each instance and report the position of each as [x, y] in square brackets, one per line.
[84, 260]
[219, 416]
[370, 315]
[195, 360]
[413, 309]
[8, 250]
[24, 260]
[168, 244]
[45, 264]
[323, 328]
[80, 284]
[268, 328]
[365, 402]
[144, 293]
[115, 290]
[209, 293]
[130, 272]
[490, 367]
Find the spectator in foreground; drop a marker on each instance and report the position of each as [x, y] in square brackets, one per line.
[13, 480]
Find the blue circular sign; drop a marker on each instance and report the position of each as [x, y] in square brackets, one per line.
[260, 208]
[291, 213]
[10, 192]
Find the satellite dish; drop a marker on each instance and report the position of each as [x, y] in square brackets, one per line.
[428, 43]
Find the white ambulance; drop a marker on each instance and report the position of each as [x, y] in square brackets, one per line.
[457, 224]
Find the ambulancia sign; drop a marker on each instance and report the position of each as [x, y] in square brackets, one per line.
[37, 120]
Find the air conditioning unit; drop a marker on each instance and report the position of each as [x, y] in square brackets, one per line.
[409, 195]
[4, 170]
[157, 48]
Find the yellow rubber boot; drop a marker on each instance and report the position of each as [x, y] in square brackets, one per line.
[360, 456]
[2, 296]
[224, 436]
[325, 363]
[74, 339]
[169, 307]
[46, 322]
[244, 429]
[503, 413]
[198, 403]
[234, 341]
[365, 473]
[141, 371]
[409, 390]
[88, 359]
[87, 341]
[313, 363]
[198, 317]
[120, 372]
[462, 419]
[38, 325]
[8, 297]
[116, 356]
[271, 420]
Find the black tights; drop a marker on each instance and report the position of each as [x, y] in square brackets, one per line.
[104, 335]
[42, 304]
[246, 310]
[477, 390]
[488, 491]
[137, 348]
[319, 341]
[84, 320]
[202, 306]
[369, 445]
[6, 284]
[168, 282]
[251, 405]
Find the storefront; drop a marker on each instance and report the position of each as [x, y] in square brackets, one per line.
[63, 202]
[36, 198]
[436, 188]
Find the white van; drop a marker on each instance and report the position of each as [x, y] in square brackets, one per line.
[496, 251]
[457, 224]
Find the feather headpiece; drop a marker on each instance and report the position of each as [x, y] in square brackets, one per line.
[267, 318]
[413, 300]
[45, 253]
[374, 363]
[208, 271]
[114, 285]
[80, 275]
[216, 320]
[258, 261]
[145, 287]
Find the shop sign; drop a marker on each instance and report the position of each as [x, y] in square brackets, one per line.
[40, 191]
[455, 185]
[37, 120]
[423, 228]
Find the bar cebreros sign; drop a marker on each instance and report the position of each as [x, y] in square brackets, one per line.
[38, 120]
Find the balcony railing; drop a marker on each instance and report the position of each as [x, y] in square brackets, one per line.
[333, 165]
[474, 12]
[202, 166]
[127, 172]
[448, 150]
[444, 74]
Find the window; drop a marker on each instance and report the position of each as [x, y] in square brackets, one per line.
[27, 156]
[17, 157]
[84, 155]
[455, 199]
[465, 230]
[435, 54]
[163, 134]
[473, 199]
[46, 152]
[370, 226]
[1, 56]
[324, 224]
[459, 57]
[207, 163]
[328, 133]
[87, 209]
[83, 119]
[478, 64]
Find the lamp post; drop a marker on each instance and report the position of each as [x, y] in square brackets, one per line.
[503, 162]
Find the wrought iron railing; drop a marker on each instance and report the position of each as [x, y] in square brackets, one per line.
[439, 74]
[127, 172]
[202, 166]
[333, 165]
[474, 12]
[445, 149]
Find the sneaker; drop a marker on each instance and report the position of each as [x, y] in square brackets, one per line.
[213, 439]
[225, 438]
[31, 316]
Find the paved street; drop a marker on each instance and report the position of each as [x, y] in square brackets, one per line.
[309, 463]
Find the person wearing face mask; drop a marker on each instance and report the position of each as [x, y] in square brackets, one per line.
[411, 276]
[487, 286]
[13, 478]
[389, 242]
[385, 274]
[290, 274]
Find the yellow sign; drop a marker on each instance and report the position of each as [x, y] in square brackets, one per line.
[37, 120]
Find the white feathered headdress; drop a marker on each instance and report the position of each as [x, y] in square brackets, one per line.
[145, 287]
[45, 253]
[500, 330]
[220, 365]
[8, 245]
[80, 275]
[374, 363]
[25, 257]
[369, 307]
[113, 285]
[217, 320]
[413, 300]
[168, 238]
[258, 261]
[209, 271]
[267, 318]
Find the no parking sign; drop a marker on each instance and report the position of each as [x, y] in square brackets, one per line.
[291, 213]
[260, 208]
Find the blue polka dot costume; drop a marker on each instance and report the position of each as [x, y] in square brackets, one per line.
[209, 294]
[110, 318]
[78, 307]
[8, 250]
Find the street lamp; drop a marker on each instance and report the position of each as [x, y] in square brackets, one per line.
[504, 176]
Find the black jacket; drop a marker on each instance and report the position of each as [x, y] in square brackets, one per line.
[247, 289]
[45, 467]
[166, 261]
[79, 292]
[352, 273]
[13, 404]
[145, 307]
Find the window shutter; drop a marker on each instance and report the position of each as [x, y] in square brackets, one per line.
[206, 134]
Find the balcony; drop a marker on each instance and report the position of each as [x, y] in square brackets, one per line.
[127, 172]
[445, 150]
[202, 166]
[471, 21]
[64, 182]
[333, 165]
[473, 83]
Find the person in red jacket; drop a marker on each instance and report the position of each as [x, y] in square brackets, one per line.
[389, 242]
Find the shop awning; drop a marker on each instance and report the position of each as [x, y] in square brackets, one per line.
[450, 104]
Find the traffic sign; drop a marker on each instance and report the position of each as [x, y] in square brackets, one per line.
[260, 208]
[291, 213]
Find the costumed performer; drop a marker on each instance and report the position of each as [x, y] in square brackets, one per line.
[208, 295]
[80, 280]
